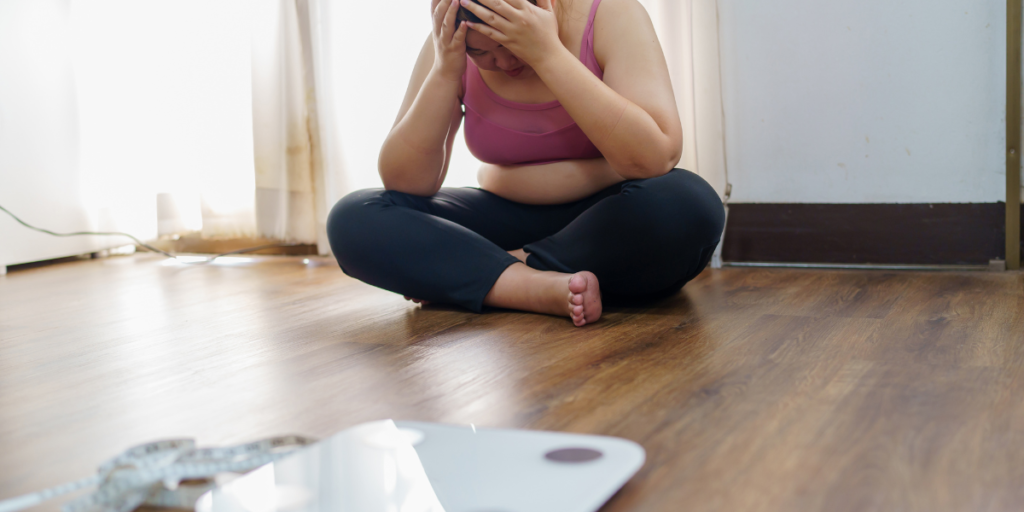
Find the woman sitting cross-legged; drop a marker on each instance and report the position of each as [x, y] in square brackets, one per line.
[568, 104]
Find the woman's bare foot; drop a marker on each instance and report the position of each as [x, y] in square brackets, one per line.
[526, 289]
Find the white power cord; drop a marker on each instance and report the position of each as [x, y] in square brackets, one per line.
[716, 258]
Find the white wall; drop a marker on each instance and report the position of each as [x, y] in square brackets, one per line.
[864, 101]
[39, 175]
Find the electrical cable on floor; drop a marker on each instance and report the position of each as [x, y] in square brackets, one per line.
[140, 242]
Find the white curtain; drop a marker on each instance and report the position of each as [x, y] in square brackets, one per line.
[286, 138]
[689, 36]
[212, 105]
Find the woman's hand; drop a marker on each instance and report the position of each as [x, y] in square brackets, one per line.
[449, 43]
[528, 31]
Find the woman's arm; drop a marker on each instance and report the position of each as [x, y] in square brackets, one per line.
[415, 155]
[631, 116]
[563, 182]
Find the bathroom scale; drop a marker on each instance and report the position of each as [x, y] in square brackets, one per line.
[403, 466]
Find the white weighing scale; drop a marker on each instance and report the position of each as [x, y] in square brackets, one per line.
[401, 466]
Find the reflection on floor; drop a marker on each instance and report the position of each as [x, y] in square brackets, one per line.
[752, 389]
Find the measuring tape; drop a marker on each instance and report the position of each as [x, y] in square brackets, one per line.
[171, 473]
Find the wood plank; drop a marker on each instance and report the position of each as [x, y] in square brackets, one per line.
[752, 389]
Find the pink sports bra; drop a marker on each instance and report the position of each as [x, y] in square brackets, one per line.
[504, 132]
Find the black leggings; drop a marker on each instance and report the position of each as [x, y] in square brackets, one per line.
[641, 238]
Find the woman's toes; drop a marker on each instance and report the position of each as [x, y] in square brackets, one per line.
[578, 317]
[578, 283]
[585, 286]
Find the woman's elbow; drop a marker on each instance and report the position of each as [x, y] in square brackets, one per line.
[666, 159]
[671, 152]
[409, 187]
[649, 164]
[403, 178]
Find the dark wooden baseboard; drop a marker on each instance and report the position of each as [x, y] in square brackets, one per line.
[928, 234]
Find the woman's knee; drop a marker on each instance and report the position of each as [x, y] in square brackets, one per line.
[703, 204]
[350, 222]
[688, 203]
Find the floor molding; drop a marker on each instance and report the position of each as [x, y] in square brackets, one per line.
[863, 266]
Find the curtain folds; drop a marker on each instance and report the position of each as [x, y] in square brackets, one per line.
[201, 117]
[688, 32]
[282, 97]
[296, 167]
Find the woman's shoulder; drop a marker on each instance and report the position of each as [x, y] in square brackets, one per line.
[620, 4]
[615, 15]
[619, 12]
[620, 23]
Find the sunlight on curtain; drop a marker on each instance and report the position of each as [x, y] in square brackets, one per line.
[285, 204]
[329, 177]
[164, 95]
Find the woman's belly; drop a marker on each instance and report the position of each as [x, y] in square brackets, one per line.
[553, 183]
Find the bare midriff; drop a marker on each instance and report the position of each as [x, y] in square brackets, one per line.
[551, 183]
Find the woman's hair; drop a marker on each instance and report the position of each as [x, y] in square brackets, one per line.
[467, 15]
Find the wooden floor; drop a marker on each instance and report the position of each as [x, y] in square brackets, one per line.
[752, 390]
